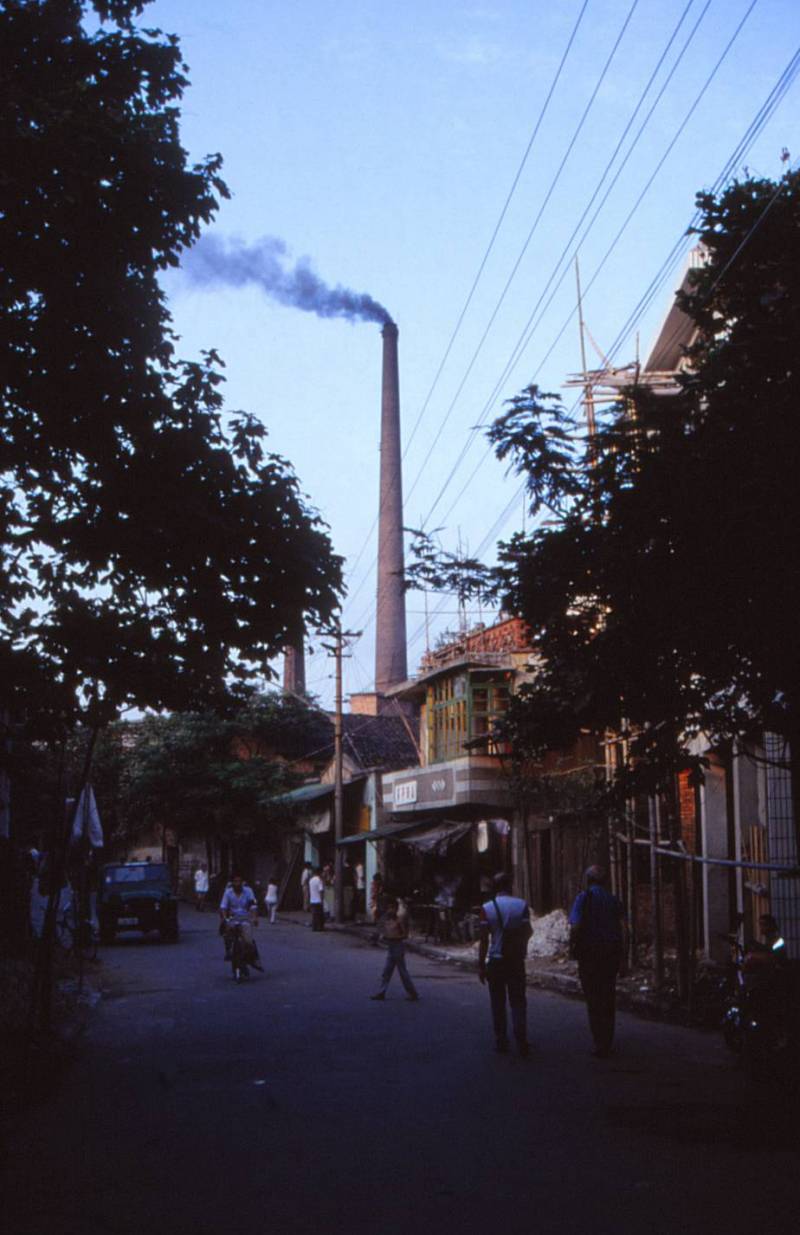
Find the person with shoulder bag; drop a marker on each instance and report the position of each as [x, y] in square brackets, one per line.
[505, 928]
[598, 937]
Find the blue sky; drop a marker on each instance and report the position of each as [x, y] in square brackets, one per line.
[381, 141]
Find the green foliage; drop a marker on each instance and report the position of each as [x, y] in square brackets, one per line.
[152, 551]
[200, 772]
[660, 580]
[664, 591]
[436, 569]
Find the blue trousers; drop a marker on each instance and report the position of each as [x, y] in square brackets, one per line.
[396, 959]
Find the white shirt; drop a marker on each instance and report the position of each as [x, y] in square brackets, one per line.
[272, 894]
[360, 876]
[305, 875]
[201, 881]
[316, 890]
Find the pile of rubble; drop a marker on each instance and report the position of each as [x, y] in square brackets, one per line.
[550, 935]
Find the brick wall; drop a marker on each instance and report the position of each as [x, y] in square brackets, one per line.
[511, 635]
[688, 812]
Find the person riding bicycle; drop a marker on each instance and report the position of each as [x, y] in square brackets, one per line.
[239, 908]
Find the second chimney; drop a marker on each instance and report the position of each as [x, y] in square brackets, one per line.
[390, 627]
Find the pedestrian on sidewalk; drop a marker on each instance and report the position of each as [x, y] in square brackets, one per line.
[316, 893]
[504, 933]
[305, 877]
[394, 932]
[360, 907]
[200, 887]
[271, 899]
[598, 939]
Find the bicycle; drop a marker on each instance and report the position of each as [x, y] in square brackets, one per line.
[238, 951]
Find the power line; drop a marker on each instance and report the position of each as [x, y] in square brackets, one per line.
[481, 268]
[529, 329]
[553, 184]
[754, 129]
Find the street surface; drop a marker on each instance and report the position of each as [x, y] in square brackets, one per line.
[293, 1103]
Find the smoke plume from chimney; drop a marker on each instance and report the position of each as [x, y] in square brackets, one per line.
[265, 264]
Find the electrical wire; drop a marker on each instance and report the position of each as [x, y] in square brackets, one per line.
[489, 248]
[754, 129]
[527, 332]
[552, 187]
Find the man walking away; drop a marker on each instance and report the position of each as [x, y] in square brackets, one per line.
[598, 937]
[316, 893]
[394, 932]
[504, 934]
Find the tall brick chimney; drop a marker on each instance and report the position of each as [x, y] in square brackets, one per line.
[294, 667]
[390, 629]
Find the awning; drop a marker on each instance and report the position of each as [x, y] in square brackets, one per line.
[306, 793]
[424, 835]
[437, 839]
[387, 833]
[310, 793]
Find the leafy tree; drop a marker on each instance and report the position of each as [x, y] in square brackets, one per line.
[203, 773]
[659, 581]
[661, 587]
[150, 549]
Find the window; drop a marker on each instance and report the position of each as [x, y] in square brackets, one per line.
[460, 710]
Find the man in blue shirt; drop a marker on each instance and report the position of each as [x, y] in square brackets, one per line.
[505, 931]
[239, 906]
[598, 941]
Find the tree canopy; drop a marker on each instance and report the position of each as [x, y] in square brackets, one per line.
[659, 582]
[151, 548]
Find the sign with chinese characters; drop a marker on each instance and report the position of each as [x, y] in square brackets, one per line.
[405, 792]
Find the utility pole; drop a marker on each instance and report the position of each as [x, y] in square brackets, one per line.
[338, 792]
[336, 649]
[588, 391]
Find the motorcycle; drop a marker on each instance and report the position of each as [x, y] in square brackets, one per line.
[756, 1016]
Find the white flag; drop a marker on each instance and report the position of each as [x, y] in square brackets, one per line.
[87, 818]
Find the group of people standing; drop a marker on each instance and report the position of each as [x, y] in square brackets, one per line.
[318, 888]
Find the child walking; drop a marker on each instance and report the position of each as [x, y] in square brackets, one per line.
[271, 900]
[394, 932]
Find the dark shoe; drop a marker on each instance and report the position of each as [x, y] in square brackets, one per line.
[380, 995]
[257, 965]
[501, 1046]
[412, 998]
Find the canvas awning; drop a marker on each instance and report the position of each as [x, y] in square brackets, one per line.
[425, 835]
[310, 793]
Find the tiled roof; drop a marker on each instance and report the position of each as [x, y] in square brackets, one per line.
[380, 741]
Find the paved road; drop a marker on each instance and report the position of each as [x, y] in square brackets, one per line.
[292, 1102]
